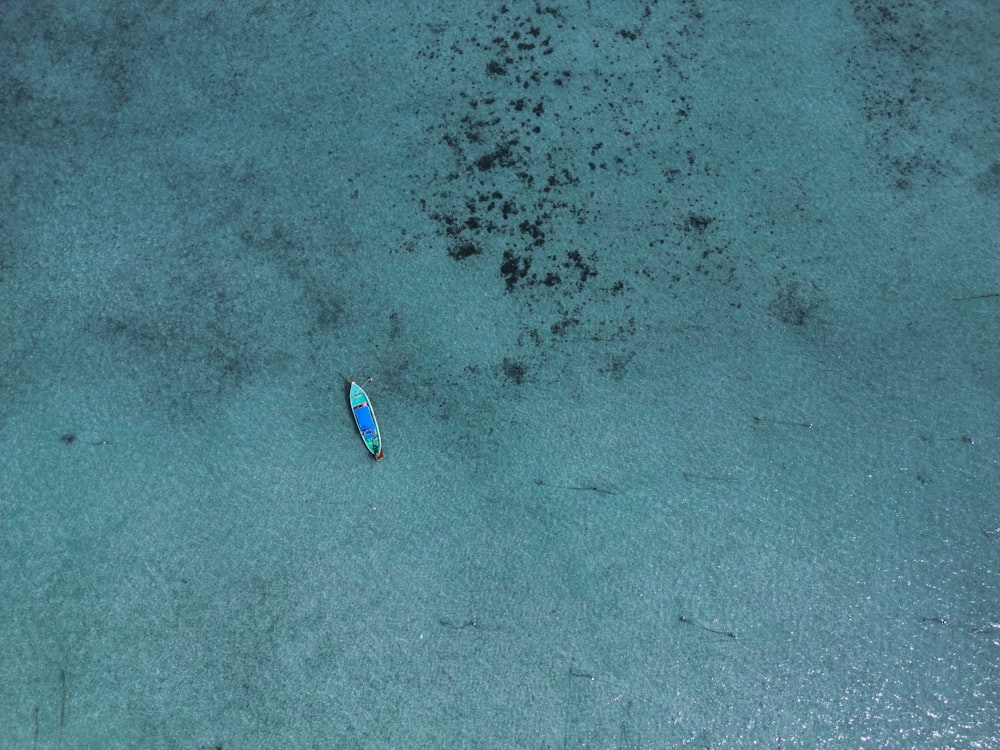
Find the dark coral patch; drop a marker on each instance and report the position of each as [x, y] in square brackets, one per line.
[463, 250]
[515, 370]
[514, 268]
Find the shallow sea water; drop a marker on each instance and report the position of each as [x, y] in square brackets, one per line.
[681, 325]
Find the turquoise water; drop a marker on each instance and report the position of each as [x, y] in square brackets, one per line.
[681, 320]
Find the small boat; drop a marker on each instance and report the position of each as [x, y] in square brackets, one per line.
[365, 418]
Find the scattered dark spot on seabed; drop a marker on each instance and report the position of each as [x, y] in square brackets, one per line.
[795, 305]
[464, 250]
[515, 370]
